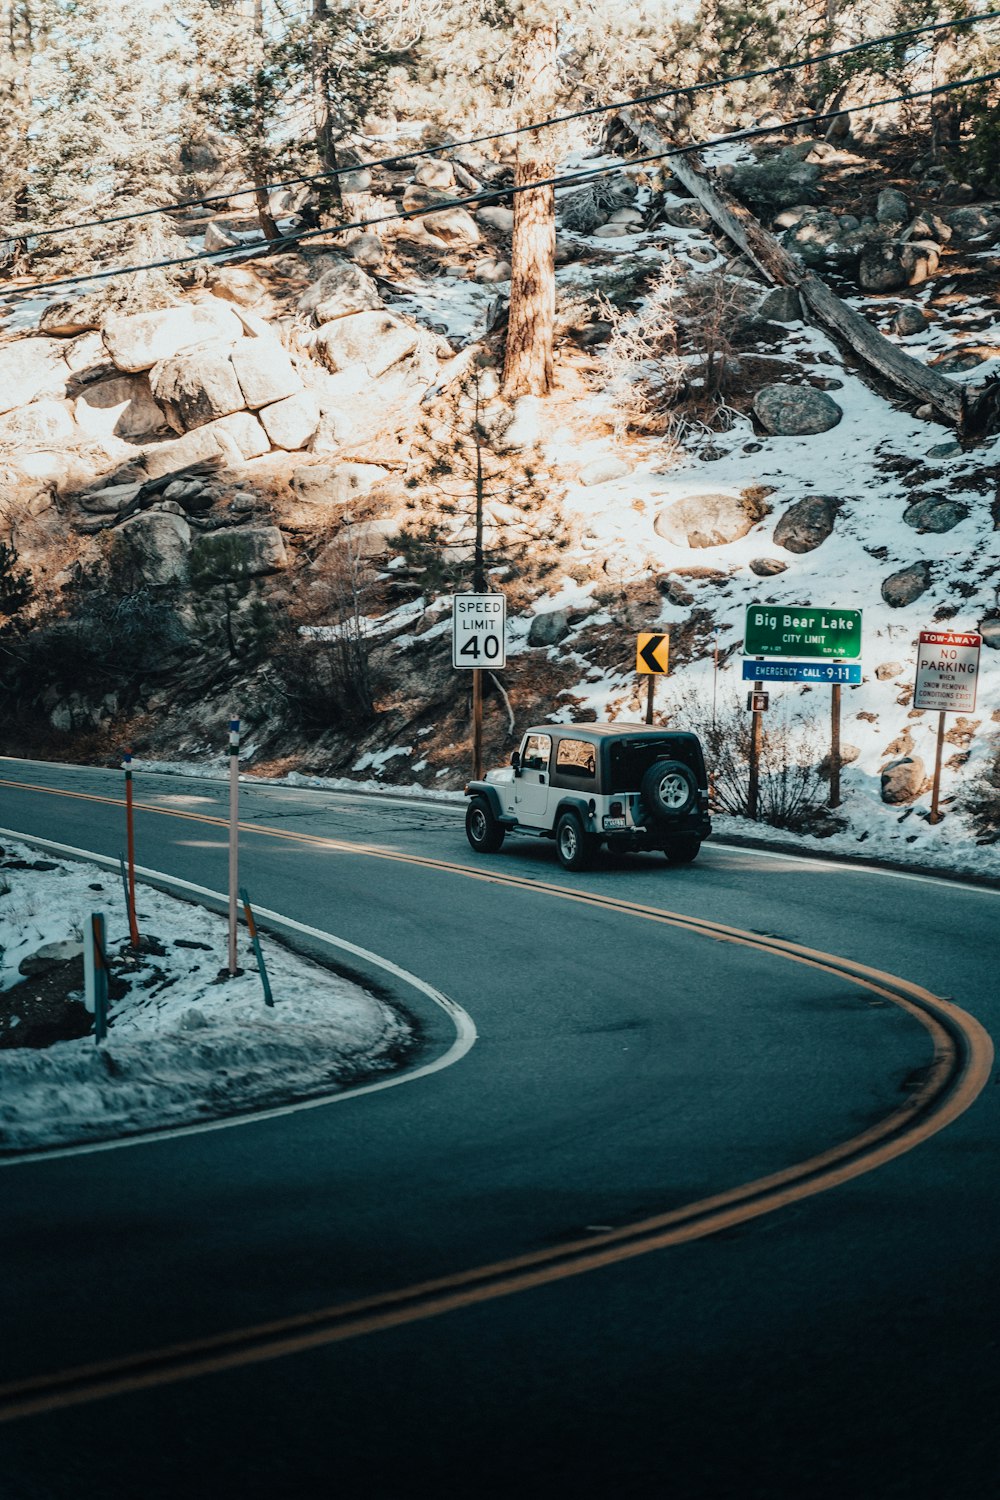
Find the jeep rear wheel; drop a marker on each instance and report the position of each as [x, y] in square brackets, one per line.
[683, 848]
[575, 848]
[482, 829]
[669, 789]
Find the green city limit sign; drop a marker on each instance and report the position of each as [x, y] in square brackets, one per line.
[802, 631]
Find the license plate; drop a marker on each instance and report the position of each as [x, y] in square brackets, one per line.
[614, 823]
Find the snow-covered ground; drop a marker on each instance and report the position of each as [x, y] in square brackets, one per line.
[183, 1046]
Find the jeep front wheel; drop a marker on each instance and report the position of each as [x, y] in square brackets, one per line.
[575, 848]
[482, 829]
[669, 789]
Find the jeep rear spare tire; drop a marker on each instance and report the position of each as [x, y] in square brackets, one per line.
[482, 829]
[669, 790]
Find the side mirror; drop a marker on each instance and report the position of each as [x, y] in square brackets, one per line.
[515, 760]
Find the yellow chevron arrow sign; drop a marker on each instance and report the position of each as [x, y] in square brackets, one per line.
[652, 652]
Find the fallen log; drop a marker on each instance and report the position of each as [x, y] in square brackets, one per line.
[907, 374]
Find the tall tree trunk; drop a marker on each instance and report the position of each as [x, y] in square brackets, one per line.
[258, 155]
[527, 367]
[330, 199]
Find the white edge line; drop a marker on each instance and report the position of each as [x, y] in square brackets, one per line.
[465, 1027]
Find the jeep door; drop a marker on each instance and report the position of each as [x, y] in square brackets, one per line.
[531, 787]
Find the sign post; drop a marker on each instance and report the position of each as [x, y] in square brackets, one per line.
[234, 838]
[947, 673]
[652, 660]
[133, 924]
[478, 642]
[830, 639]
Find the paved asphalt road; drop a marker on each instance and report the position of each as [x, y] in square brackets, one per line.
[846, 1345]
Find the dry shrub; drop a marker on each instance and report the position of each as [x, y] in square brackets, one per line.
[791, 790]
[981, 798]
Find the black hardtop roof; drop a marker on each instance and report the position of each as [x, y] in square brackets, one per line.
[608, 731]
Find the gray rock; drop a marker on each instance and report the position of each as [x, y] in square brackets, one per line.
[888, 669]
[43, 424]
[218, 237]
[490, 271]
[31, 368]
[265, 372]
[795, 411]
[138, 341]
[767, 567]
[909, 320]
[549, 629]
[686, 216]
[935, 514]
[945, 450]
[70, 316]
[497, 217]
[902, 780]
[366, 250]
[122, 407]
[603, 470]
[848, 755]
[110, 500]
[812, 236]
[421, 197]
[323, 484]
[973, 222]
[961, 359]
[893, 207]
[242, 433]
[341, 290]
[907, 585]
[807, 524]
[989, 629]
[889, 265]
[705, 520]
[375, 340]
[49, 956]
[781, 305]
[453, 225]
[158, 545]
[242, 552]
[196, 387]
[435, 173]
[927, 226]
[291, 423]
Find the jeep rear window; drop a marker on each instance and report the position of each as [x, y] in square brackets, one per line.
[631, 759]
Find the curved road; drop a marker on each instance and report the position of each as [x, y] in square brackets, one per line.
[491, 1279]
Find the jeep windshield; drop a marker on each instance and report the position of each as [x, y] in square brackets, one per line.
[630, 759]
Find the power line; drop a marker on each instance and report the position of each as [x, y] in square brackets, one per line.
[544, 124]
[559, 180]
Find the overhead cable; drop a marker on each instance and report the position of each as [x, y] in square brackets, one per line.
[560, 180]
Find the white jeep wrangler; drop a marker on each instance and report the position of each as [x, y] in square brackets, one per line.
[628, 786]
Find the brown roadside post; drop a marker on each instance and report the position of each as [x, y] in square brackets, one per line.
[756, 703]
[652, 660]
[133, 924]
[477, 724]
[947, 673]
[835, 745]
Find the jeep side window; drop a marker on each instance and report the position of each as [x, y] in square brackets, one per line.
[535, 752]
[576, 758]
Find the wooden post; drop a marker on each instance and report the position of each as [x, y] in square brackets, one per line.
[835, 745]
[477, 723]
[753, 784]
[133, 924]
[935, 814]
[650, 689]
[234, 838]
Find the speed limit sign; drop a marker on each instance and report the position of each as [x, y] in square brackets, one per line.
[478, 630]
